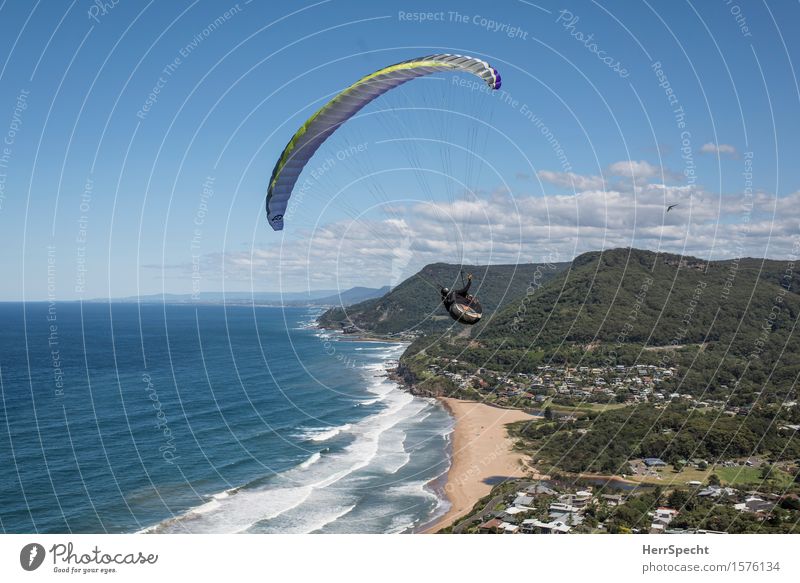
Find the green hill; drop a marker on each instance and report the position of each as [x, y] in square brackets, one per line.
[415, 304]
[727, 325]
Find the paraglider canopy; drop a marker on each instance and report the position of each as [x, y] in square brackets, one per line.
[319, 127]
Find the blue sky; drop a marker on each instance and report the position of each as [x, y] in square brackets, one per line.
[109, 190]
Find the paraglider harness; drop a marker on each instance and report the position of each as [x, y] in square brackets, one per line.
[462, 306]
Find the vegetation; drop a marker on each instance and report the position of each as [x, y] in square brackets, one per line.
[695, 513]
[606, 441]
[728, 325]
[634, 511]
[722, 330]
[415, 304]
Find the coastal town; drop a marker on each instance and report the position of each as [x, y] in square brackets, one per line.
[571, 386]
[551, 507]
[678, 494]
[593, 384]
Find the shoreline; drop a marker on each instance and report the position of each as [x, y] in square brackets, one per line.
[360, 336]
[481, 452]
[481, 456]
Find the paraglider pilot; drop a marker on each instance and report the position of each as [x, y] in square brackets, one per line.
[448, 297]
[462, 307]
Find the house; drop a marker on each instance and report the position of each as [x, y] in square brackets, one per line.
[492, 526]
[710, 491]
[654, 462]
[756, 505]
[523, 500]
[540, 489]
[612, 499]
[577, 500]
[567, 518]
[665, 513]
[763, 495]
[716, 491]
[508, 528]
[561, 508]
[534, 526]
[661, 519]
[510, 513]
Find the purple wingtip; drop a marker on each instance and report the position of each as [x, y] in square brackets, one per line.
[497, 78]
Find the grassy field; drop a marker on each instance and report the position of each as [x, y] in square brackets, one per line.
[736, 476]
[581, 408]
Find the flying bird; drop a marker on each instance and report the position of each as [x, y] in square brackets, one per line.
[672, 206]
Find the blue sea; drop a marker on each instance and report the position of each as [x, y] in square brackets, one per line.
[209, 419]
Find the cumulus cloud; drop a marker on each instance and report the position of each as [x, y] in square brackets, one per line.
[719, 149]
[572, 180]
[634, 169]
[505, 227]
[620, 175]
[641, 171]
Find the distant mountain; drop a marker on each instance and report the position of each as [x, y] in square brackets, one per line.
[415, 304]
[351, 296]
[728, 325]
[309, 298]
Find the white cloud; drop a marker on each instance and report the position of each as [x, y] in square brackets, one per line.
[622, 175]
[636, 170]
[572, 180]
[718, 149]
[640, 171]
[511, 228]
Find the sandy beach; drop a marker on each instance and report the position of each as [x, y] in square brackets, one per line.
[481, 451]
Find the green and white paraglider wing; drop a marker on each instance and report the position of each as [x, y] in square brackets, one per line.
[345, 105]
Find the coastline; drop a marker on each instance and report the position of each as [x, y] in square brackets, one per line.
[218, 510]
[482, 455]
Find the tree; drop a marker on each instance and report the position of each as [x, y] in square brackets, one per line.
[713, 480]
[678, 499]
[548, 413]
[790, 502]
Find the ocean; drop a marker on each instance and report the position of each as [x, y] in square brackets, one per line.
[210, 419]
